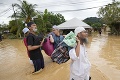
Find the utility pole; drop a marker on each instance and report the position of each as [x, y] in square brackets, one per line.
[14, 11]
[16, 21]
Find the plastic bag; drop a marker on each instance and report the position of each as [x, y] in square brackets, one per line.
[70, 39]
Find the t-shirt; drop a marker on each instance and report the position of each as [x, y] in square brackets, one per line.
[33, 40]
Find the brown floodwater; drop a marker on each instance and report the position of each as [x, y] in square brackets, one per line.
[103, 53]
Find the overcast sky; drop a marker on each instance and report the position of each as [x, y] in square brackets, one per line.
[57, 6]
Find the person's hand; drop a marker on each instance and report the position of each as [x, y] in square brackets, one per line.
[77, 40]
[42, 42]
[64, 35]
[50, 36]
[51, 39]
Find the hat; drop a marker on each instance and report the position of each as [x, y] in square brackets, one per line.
[55, 27]
[78, 30]
[30, 23]
[25, 30]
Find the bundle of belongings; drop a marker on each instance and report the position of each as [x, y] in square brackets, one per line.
[61, 53]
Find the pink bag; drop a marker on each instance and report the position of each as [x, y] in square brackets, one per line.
[48, 47]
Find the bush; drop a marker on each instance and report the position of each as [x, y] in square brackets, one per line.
[9, 36]
[12, 36]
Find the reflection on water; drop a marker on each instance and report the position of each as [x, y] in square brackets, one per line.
[111, 50]
[108, 48]
[14, 63]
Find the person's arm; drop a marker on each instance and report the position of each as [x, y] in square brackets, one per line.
[77, 49]
[30, 43]
[74, 53]
[33, 47]
[51, 39]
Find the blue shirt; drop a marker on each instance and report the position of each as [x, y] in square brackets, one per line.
[57, 39]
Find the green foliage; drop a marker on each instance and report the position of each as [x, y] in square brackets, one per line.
[25, 12]
[96, 25]
[12, 36]
[13, 27]
[22, 12]
[94, 22]
[111, 14]
[3, 27]
[16, 27]
[46, 20]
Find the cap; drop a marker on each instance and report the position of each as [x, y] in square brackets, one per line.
[55, 27]
[78, 30]
[25, 30]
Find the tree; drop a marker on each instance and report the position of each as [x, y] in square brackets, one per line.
[94, 22]
[14, 28]
[3, 28]
[24, 11]
[110, 14]
[46, 20]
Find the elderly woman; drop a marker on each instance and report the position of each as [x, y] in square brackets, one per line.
[55, 36]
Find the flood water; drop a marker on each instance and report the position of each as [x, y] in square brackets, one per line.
[103, 53]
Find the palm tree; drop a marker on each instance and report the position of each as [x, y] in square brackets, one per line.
[24, 11]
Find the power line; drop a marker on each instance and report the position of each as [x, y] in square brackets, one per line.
[77, 9]
[69, 4]
[6, 12]
[64, 3]
[3, 4]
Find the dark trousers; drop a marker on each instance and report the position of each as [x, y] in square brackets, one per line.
[89, 78]
[38, 64]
